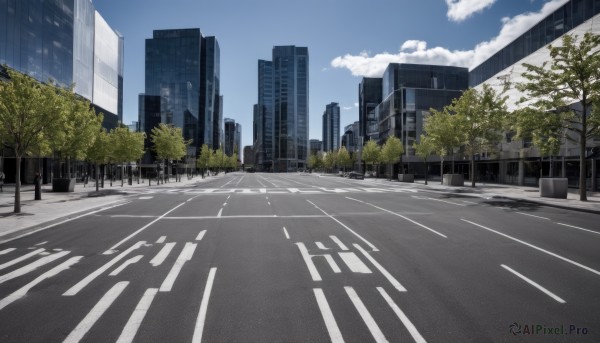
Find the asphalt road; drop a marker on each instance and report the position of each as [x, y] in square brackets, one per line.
[300, 258]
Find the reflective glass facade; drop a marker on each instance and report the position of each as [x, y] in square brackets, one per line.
[290, 107]
[182, 70]
[66, 41]
[331, 127]
[229, 142]
[369, 96]
[413, 90]
[263, 117]
[552, 27]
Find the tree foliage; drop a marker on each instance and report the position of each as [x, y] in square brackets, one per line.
[391, 151]
[371, 152]
[424, 149]
[563, 94]
[343, 158]
[169, 142]
[29, 113]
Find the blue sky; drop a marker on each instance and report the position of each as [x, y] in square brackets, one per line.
[346, 39]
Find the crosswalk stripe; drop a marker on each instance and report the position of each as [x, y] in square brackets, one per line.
[134, 322]
[366, 316]
[332, 328]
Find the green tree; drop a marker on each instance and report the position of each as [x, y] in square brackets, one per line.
[444, 134]
[315, 161]
[217, 160]
[127, 146]
[371, 152]
[343, 158]
[391, 152]
[424, 149]
[29, 112]
[329, 160]
[203, 160]
[99, 152]
[169, 143]
[76, 130]
[568, 88]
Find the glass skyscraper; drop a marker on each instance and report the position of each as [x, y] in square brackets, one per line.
[263, 118]
[290, 86]
[182, 87]
[331, 127]
[67, 41]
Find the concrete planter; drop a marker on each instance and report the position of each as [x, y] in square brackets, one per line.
[454, 179]
[554, 188]
[63, 185]
[406, 177]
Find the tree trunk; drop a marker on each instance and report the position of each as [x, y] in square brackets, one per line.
[97, 172]
[17, 207]
[426, 171]
[442, 171]
[582, 169]
[472, 170]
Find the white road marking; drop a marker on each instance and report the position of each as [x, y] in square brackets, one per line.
[534, 284]
[41, 243]
[45, 253]
[354, 263]
[403, 318]
[309, 263]
[81, 284]
[383, 271]
[469, 202]
[336, 269]
[401, 216]
[366, 316]
[112, 249]
[134, 322]
[200, 235]
[161, 239]
[531, 215]
[536, 248]
[287, 235]
[32, 266]
[321, 246]
[6, 251]
[219, 215]
[338, 242]
[579, 228]
[21, 259]
[120, 203]
[332, 328]
[199, 328]
[97, 311]
[184, 256]
[162, 254]
[124, 265]
[21, 292]
[344, 226]
[145, 198]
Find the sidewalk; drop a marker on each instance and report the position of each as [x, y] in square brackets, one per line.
[55, 206]
[493, 190]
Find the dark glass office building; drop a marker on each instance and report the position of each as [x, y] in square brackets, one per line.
[369, 96]
[409, 92]
[182, 87]
[281, 114]
[331, 127]
[229, 141]
[263, 118]
[67, 41]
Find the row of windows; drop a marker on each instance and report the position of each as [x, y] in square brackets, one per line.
[555, 25]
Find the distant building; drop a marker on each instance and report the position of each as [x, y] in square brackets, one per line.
[248, 156]
[281, 115]
[229, 141]
[182, 87]
[331, 127]
[350, 138]
[316, 146]
[134, 126]
[237, 146]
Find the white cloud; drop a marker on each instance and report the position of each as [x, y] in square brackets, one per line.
[356, 104]
[415, 51]
[347, 108]
[459, 10]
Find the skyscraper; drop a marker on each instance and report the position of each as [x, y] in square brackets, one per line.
[229, 141]
[331, 127]
[369, 96]
[263, 118]
[67, 41]
[290, 85]
[182, 87]
[283, 92]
